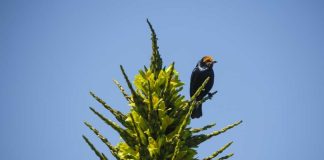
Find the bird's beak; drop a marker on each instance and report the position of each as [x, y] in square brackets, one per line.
[214, 61]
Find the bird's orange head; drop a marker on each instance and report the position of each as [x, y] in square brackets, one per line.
[208, 61]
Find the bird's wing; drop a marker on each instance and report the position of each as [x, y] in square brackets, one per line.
[210, 82]
[193, 81]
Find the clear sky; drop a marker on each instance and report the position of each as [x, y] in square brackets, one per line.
[270, 71]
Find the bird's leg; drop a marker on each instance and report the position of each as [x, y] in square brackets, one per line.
[210, 95]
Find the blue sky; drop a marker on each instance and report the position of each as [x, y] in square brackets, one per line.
[270, 71]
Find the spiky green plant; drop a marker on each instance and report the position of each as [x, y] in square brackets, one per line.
[156, 128]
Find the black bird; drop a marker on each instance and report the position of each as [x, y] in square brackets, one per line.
[203, 69]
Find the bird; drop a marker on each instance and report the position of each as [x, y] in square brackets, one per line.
[203, 69]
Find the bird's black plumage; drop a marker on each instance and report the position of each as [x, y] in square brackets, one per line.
[203, 69]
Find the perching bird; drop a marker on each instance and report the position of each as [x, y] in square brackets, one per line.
[203, 69]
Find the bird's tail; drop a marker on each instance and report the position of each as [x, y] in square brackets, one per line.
[197, 112]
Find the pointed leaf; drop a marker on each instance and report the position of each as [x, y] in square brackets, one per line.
[101, 156]
[118, 115]
[112, 149]
[215, 154]
[129, 139]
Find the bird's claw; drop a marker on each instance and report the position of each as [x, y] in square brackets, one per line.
[210, 95]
